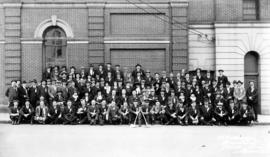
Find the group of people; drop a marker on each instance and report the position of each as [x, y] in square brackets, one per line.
[111, 95]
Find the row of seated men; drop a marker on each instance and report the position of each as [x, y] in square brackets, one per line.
[140, 111]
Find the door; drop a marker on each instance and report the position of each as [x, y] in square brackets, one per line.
[54, 47]
[252, 71]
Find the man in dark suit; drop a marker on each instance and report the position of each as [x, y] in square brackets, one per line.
[12, 92]
[221, 113]
[53, 113]
[138, 70]
[43, 90]
[207, 114]
[33, 93]
[22, 94]
[222, 79]
[252, 97]
[26, 113]
[233, 113]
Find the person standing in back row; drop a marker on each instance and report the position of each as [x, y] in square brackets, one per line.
[252, 97]
[12, 93]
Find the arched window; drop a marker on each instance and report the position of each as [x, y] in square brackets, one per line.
[54, 47]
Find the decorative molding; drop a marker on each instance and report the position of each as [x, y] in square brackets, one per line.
[64, 5]
[77, 42]
[54, 21]
[40, 42]
[136, 42]
[95, 5]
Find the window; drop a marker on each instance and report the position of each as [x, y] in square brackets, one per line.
[250, 10]
[54, 42]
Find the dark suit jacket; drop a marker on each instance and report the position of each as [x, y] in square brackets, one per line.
[254, 96]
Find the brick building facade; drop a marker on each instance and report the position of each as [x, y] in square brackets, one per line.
[116, 31]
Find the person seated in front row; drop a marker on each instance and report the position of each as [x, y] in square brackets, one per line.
[27, 113]
[103, 112]
[124, 112]
[193, 114]
[221, 115]
[233, 113]
[53, 113]
[41, 113]
[207, 114]
[182, 113]
[171, 114]
[92, 113]
[69, 113]
[246, 115]
[113, 114]
[14, 113]
[82, 112]
[158, 113]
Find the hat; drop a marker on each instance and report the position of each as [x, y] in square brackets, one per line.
[234, 82]
[136, 83]
[24, 82]
[72, 67]
[35, 81]
[220, 70]
[138, 65]
[198, 69]
[231, 101]
[15, 100]
[117, 65]
[147, 71]
[239, 82]
[228, 83]
[59, 91]
[91, 65]
[63, 73]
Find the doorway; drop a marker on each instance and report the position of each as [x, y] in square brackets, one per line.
[251, 70]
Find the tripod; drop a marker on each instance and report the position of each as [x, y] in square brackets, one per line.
[140, 113]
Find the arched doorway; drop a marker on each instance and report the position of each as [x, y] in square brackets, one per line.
[54, 47]
[252, 71]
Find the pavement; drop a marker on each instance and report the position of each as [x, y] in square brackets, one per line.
[124, 141]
